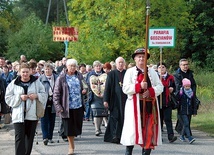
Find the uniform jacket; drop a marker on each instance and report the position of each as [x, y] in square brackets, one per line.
[129, 88]
[13, 99]
[61, 94]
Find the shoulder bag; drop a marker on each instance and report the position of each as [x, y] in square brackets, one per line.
[173, 101]
[40, 109]
[197, 102]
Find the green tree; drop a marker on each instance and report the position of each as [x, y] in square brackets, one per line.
[201, 39]
[172, 14]
[7, 24]
[108, 29]
[40, 7]
[34, 40]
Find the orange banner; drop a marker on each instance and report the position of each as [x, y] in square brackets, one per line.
[62, 34]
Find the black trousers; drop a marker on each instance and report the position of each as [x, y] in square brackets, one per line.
[166, 116]
[24, 136]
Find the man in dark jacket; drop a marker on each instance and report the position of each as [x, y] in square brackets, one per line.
[4, 108]
[184, 72]
[115, 99]
[63, 66]
[180, 74]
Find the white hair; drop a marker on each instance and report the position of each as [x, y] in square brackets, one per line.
[88, 66]
[119, 59]
[96, 63]
[71, 62]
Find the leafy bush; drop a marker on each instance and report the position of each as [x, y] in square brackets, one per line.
[204, 121]
[205, 85]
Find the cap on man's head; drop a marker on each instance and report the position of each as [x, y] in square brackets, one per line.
[140, 51]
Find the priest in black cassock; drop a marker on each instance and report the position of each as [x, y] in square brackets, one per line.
[114, 99]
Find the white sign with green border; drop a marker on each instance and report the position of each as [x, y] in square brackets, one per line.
[162, 37]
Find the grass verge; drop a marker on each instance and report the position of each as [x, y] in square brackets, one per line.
[204, 122]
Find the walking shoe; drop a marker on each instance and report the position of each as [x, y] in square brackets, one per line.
[64, 138]
[100, 132]
[191, 140]
[2, 125]
[70, 151]
[182, 138]
[97, 133]
[115, 140]
[86, 119]
[45, 141]
[172, 139]
[50, 141]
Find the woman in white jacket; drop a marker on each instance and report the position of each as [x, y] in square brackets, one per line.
[141, 121]
[21, 95]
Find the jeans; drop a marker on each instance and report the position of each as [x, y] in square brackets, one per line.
[186, 125]
[48, 123]
[87, 110]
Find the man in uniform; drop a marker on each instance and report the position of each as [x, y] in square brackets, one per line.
[141, 120]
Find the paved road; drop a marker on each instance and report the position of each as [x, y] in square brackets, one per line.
[88, 144]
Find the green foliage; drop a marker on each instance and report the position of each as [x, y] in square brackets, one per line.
[34, 40]
[205, 85]
[40, 7]
[201, 40]
[108, 29]
[3, 39]
[204, 122]
[112, 28]
[7, 24]
[172, 14]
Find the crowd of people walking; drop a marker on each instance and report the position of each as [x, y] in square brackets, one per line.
[132, 101]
